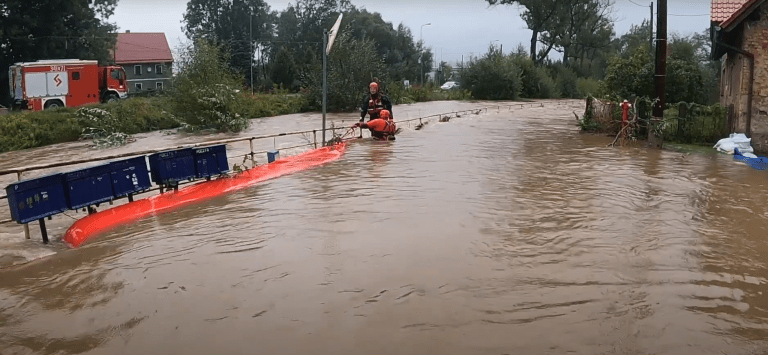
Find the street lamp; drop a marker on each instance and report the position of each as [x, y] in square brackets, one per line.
[421, 65]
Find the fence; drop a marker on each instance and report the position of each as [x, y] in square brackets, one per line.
[19, 171]
[692, 123]
[684, 122]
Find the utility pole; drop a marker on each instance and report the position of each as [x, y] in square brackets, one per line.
[661, 72]
[250, 39]
[421, 51]
[651, 28]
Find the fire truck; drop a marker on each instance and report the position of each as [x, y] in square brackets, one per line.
[48, 84]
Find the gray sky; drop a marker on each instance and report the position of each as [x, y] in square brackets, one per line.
[458, 27]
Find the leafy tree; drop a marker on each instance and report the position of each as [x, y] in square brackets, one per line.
[395, 45]
[284, 69]
[227, 24]
[53, 29]
[634, 76]
[352, 64]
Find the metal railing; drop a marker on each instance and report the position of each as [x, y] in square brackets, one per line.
[20, 170]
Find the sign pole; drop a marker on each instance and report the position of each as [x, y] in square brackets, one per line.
[327, 44]
[325, 89]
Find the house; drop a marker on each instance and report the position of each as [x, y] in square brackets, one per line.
[146, 58]
[739, 33]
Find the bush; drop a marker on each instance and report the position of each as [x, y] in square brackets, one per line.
[566, 82]
[34, 129]
[703, 124]
[587, 87]
[266, 105]
[139, 115]
[536, 81]
[493, 77]
[205, 91]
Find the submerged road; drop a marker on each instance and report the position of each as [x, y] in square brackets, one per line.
[507, 232]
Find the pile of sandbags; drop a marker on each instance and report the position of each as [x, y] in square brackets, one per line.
[736, 140]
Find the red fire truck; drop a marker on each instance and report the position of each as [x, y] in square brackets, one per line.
[47, 84]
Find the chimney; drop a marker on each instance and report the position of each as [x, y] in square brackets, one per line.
[127, 31]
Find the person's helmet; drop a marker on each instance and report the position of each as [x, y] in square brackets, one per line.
[385, 115]
[374, 88]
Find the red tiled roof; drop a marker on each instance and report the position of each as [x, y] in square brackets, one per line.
[738, 16]
[142, 48]
[723, 9]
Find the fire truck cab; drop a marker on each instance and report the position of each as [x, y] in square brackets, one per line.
[48, 84]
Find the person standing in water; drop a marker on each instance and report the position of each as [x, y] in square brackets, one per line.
[374, 103]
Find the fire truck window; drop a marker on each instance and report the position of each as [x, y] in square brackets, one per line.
[76, 75]
[115, 75]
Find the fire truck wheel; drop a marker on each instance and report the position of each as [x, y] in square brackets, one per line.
[112, 97]
[53, 104]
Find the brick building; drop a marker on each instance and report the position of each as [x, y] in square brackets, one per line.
[739, 35]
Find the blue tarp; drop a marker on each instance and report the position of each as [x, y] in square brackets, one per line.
[759, 163]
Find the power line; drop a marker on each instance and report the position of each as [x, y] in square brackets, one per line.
[636, 3]
[688, 15]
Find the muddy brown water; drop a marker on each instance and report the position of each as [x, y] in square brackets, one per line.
[507, 232]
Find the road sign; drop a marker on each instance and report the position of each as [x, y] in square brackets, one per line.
[332, 35]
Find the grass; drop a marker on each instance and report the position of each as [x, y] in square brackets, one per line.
[108, 124]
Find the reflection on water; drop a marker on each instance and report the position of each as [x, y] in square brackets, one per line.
[501, 233]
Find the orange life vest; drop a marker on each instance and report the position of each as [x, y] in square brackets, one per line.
[379, 125]
[375, 106]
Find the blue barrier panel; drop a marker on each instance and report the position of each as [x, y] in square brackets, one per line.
[173, 166]
[211, 161]
[129, 176]
[273, 155]
[34, 199]
[88, 186]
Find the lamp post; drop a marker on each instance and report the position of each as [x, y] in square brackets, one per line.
[421, 65]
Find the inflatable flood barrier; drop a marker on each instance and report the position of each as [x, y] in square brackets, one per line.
[92, 225]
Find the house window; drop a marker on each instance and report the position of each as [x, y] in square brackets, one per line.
[158, 68]
[137, 69]
[159, 85]
[138, 86]
[76, 75]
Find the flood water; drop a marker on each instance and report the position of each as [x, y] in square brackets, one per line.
[507, 232]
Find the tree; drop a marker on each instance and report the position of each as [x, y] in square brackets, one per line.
[230, 24]
[53, 29]
[579, 27]
[352, 65]
[395, 45]
[538, 15]
[283, 70]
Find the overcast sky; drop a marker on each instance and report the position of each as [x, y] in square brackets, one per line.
[458, 27]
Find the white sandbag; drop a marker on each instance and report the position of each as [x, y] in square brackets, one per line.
[727, 147]
[748, 155]
[735, 140]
